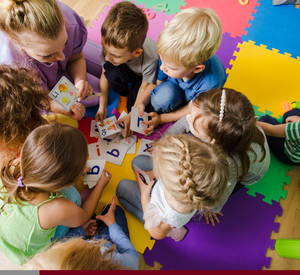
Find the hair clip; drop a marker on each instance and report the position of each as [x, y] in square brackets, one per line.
[222, 105]
[20, 182]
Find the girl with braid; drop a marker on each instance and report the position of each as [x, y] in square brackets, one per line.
[186, 175]
[226, 117]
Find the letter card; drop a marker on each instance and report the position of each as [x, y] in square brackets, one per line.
[136, 124]
[108, 128]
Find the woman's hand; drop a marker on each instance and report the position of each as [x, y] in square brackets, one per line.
[84, 89]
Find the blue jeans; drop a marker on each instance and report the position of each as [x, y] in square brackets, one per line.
[276, 144]
[73, 195]
[120, 220]
[128, 191]
[166, 97]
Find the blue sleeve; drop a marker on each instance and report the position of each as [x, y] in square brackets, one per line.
[125, 250]
[161, 76]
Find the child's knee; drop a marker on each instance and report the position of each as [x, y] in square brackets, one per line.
[166, 97]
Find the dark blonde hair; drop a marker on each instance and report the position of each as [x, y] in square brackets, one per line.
[194, 172]
[41, 17]
[52, 158]
[237, 130]
[75, 254]
[125, 26]
[21, 100]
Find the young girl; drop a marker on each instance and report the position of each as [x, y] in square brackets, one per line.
[191, 175]
[53, 157]
[49, 37]
[226, 117]
[94, 254]
[283, 139]
[21, 99]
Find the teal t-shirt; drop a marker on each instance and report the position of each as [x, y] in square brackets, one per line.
[21, 235]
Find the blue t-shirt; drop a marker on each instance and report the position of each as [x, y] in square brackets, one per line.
[213, 76]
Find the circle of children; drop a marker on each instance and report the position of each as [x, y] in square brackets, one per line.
[214, 146]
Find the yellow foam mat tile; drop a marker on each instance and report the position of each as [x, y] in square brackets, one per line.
[266, 77]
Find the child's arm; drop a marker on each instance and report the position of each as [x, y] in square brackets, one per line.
[157, 119]
[103, 98]
[76, 112]
[65, 212]
[273, 130]
[162, 229]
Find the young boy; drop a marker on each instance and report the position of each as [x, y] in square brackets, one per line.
[186, 48]
[129, 59]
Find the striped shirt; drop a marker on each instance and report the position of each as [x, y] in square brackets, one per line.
[292, 141]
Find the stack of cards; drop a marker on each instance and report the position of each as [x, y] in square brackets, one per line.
[90, 178]
[64, 93]
[108, 128]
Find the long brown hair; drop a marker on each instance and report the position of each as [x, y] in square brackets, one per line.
[52, 158]
[21, 100]
[41, 17]
[237, 130]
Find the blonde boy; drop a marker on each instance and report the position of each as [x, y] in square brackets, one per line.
[129, 59]
[186, 48]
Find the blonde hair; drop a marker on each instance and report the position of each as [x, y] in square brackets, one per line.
[52, 158]
[191, 37]
[21, 100]
[237, 130]
[194, 172]
[125, 26]
[74, 254]
[41, 17]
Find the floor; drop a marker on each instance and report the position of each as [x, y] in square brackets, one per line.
[290, 219]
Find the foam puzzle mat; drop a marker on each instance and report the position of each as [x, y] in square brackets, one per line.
[260, 51]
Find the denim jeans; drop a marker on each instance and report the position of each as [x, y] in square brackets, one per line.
[276, 144]
[73, 195]
[128, 191]
[166, 97]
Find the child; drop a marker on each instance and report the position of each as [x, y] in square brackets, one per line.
[52, 158]
[191, 175]
[95, 254]
[226, 117]
[21, 99]
[48, 37]
[283, 139]
[129, 58]
[186, 47]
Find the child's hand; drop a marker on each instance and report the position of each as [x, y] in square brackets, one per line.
[126, 120]
[101, 114]
[291, 119]
[155, 121]
[77, 111]
[109, 217]
[141, 108]
[85, 170]
[84, 89]
[211, 217]
[104, 178]
[144, 188]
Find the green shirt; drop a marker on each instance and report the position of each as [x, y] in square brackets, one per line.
[21, 235]
[292, 141]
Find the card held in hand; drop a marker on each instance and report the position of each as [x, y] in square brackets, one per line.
[64, 93]
[108, 128]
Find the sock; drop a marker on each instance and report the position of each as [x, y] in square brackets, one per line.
[122, 104]
[177, 234]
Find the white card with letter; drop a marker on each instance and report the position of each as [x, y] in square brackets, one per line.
[97, 166]
[144, 145]
[64, 93]
[109, 127]
[136, 124]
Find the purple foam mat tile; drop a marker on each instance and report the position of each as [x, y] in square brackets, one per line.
[227, 48]
[159, 131]
[240, 241]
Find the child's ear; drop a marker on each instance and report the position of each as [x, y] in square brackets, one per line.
[199, 68]
[137, 52]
